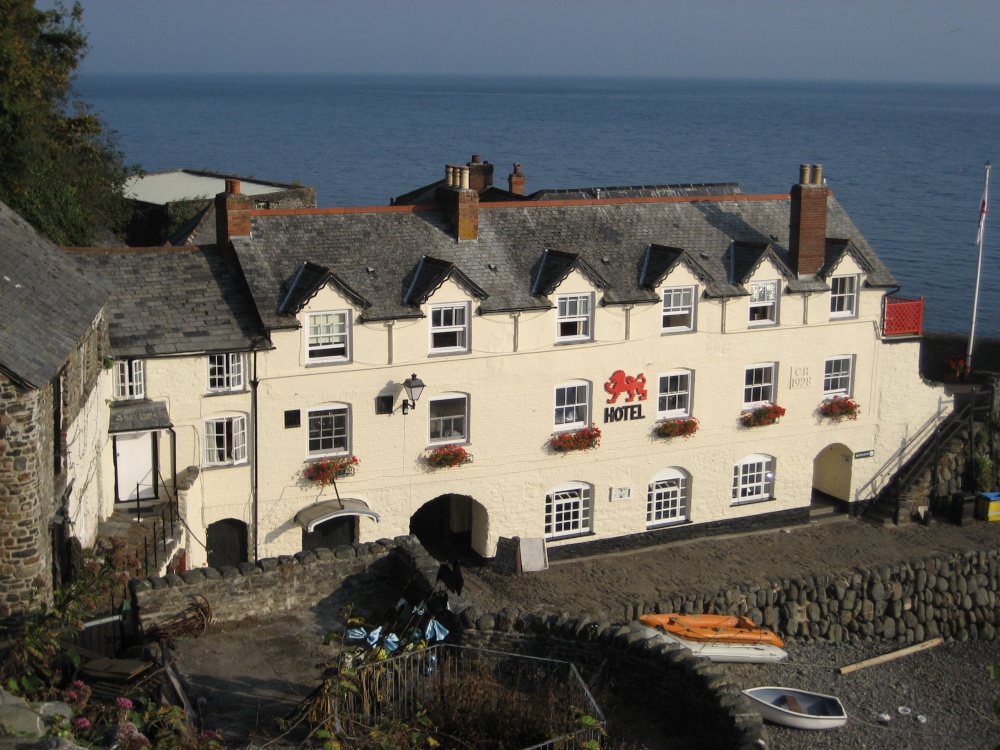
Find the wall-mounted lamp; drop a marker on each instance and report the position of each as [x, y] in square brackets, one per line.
[413, 386]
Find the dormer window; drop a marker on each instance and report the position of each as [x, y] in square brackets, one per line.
[763, 302]
[130, 379]
[449, 328]
[327, 337]
[843, 296]
[573, 321]
[678, 309]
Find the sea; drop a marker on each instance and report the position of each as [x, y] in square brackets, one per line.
[907, 161]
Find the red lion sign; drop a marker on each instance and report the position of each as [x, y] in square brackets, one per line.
[621, 383]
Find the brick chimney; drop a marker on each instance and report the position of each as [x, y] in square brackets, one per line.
[807, 223]
[480, 174]
[516, 180]
[460, 201]
[232, 215]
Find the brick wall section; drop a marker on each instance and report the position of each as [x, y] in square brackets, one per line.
[462, 208]
[232, 217]
[807, 225]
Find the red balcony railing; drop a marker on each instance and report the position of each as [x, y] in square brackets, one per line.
[902, 317]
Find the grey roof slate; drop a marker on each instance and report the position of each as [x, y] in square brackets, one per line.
[168, 300]
[373, 251]
[428, 277]
[136, 416]
[46, 302]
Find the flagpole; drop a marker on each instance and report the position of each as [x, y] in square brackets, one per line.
[979, 266]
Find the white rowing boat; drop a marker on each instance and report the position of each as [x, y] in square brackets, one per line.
[800, 709]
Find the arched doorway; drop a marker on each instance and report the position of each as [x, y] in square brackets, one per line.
[451, 525]
[332, 523]
[331, 534]
[832, 475]
[227, 543]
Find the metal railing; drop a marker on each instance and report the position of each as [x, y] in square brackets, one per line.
[106, 635]
[166, 522]
[923, 450]
[519, 690]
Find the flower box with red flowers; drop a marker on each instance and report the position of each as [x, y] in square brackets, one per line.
[762, 415]
[671, 428]
[325, 470]
[840, 407]
[446, 456]
[578, 440]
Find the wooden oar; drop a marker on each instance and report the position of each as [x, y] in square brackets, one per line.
[891, 656]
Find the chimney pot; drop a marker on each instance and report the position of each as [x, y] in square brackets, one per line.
[232, 186]
[465, 178]
[449, 175]
[475, 159]
[516, 180]
[805, 174]
[817, 174]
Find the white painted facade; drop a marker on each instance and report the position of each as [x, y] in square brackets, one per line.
[510, 417]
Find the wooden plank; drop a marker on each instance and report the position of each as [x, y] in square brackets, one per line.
[892, 656]
[793, 703]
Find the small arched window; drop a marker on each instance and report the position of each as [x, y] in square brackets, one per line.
[668, 499]
[753, 479]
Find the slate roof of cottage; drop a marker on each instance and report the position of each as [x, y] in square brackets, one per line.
[168, 300]
[46, 303]
[374, 250]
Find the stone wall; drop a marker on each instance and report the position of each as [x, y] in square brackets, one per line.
[27, 489]
[953, 596]
[268, 586]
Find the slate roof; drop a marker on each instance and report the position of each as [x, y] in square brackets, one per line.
[46, 303]
[374, 250]
[169, 300]
[138, 416]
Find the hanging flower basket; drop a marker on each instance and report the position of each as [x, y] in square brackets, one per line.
[326, 470]
[762, 415]
[579, 440]
[840, 407]
[671, 428]
[446, 456]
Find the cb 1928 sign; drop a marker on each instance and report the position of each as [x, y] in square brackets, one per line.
[633, 387]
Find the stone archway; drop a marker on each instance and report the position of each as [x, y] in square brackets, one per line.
[833, 473]
[451, 525]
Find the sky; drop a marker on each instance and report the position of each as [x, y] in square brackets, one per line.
[947, 41]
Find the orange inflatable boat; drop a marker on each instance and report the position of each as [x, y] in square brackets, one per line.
[720, 628]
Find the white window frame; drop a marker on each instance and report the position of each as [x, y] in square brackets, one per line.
[227, 372]
[129, 379]
[674, 394]
[764, 296]
[225, 440]
[753, 479]
[441, 430]
[323, 336]
[442, 323]
[568, 313]
[572, 399]
[669, 497]
[320, 432]
[838, 375]
[844, 296]
[569, 510]
[679, 303]
[759, 383]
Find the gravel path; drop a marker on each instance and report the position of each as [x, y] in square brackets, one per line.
[949, 685]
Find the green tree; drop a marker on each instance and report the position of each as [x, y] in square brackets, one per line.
[59, 168]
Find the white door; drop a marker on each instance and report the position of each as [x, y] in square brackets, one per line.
[134, 461]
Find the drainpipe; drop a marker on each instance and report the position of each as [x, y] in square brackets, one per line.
[388, 327]
[628, 322]
[517, 319]
[253, 417]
